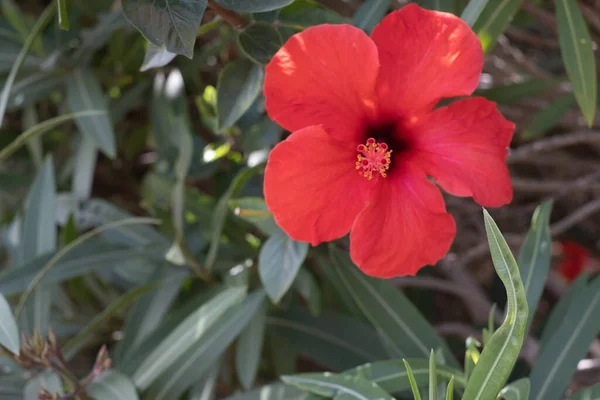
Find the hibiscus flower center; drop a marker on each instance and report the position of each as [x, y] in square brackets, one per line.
[373, 157]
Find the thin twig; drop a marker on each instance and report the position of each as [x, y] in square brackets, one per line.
[554, 143]
[231, 17]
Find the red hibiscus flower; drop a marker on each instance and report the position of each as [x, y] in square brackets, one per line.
[366, 134]
[573, 261]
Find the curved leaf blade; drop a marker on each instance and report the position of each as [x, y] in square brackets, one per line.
[337, 386]
[253, 5]
[578, 55]
[112, 385]
[249, 348]
[501, 352]
[9, 333]
[517, 390]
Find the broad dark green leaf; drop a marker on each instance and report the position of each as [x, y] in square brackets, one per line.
[548, 116]
[194, 363]
[38, 238]
[335, 341]
[557, 360]
[249, 348]
[112, 385]
[84, 93]
[167, 23]
[259, 42]
[500, 354]
[494, 19]
[393, 377]
[156, 57]
[578, 55]
[370, 14]
[279, 260]
[406, 331]
[440, 5]
[9, 334]
[306, 285]
[183, 337]
[239, 84]
[535, 255]
[513, 93]
[253, 5]
[255, 211]
[337, 386]
[517, 390]
[304, 13]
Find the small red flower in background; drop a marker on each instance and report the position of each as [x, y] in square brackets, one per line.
[366, 136]
[573, 261]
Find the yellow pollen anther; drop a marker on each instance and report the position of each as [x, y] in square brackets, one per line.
[373, 157]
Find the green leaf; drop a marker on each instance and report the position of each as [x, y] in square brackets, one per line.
[473, 10]
[39, 237]
[253, 5]
[48, 380]
[590, 393]
[557, 360]
[63, 15]
[239, 85]
[337, 386]
[513, 93]
[249, 348]
[279, 260]
[370, 14]
[517, 390]
[535, 255]
[304, 13]
[112, 385]
[332, 340]
[548, 116]
[14, 16]
[206, 387]
[500, 354]
[493, 21]
[306, 285]
[42, 21]
[440, 5]
[156, 57]
[33, 88]
[221, 211]
[413, 383]
[578, 55]
[255, 211]
[169, 23]
[259, 42]
[450, 389]
[432, 377]
[393, 377]
[195, 362]
[183, 337]
[84, 93]
[391, 313]
[9, 333]
[85, 335]
[84, 168]
[560, 310]
[276, 391]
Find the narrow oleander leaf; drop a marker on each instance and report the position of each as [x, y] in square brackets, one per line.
[255, 211]
[279, 260]
[63, 15]
[548, 116]
[439, 5]
[306, 285]
[450, 389]
[500, 355]
[557, 359]
[473, 10]
[513, 93]
[517, 390]
[535, 255]
[413, 383]
[370, 14]
[577, 51]
[112, 385]
[167, 23]
[494, 19]
[393, 377]
[337, 386]
[249, 348]
[9, 333]
[432, 377]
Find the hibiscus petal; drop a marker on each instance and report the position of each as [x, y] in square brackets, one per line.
[312, 187]
[425, 56]
[325, 76]
[464, 148]
[404, 227]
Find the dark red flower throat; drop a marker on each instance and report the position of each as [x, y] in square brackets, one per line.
[381, 146]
